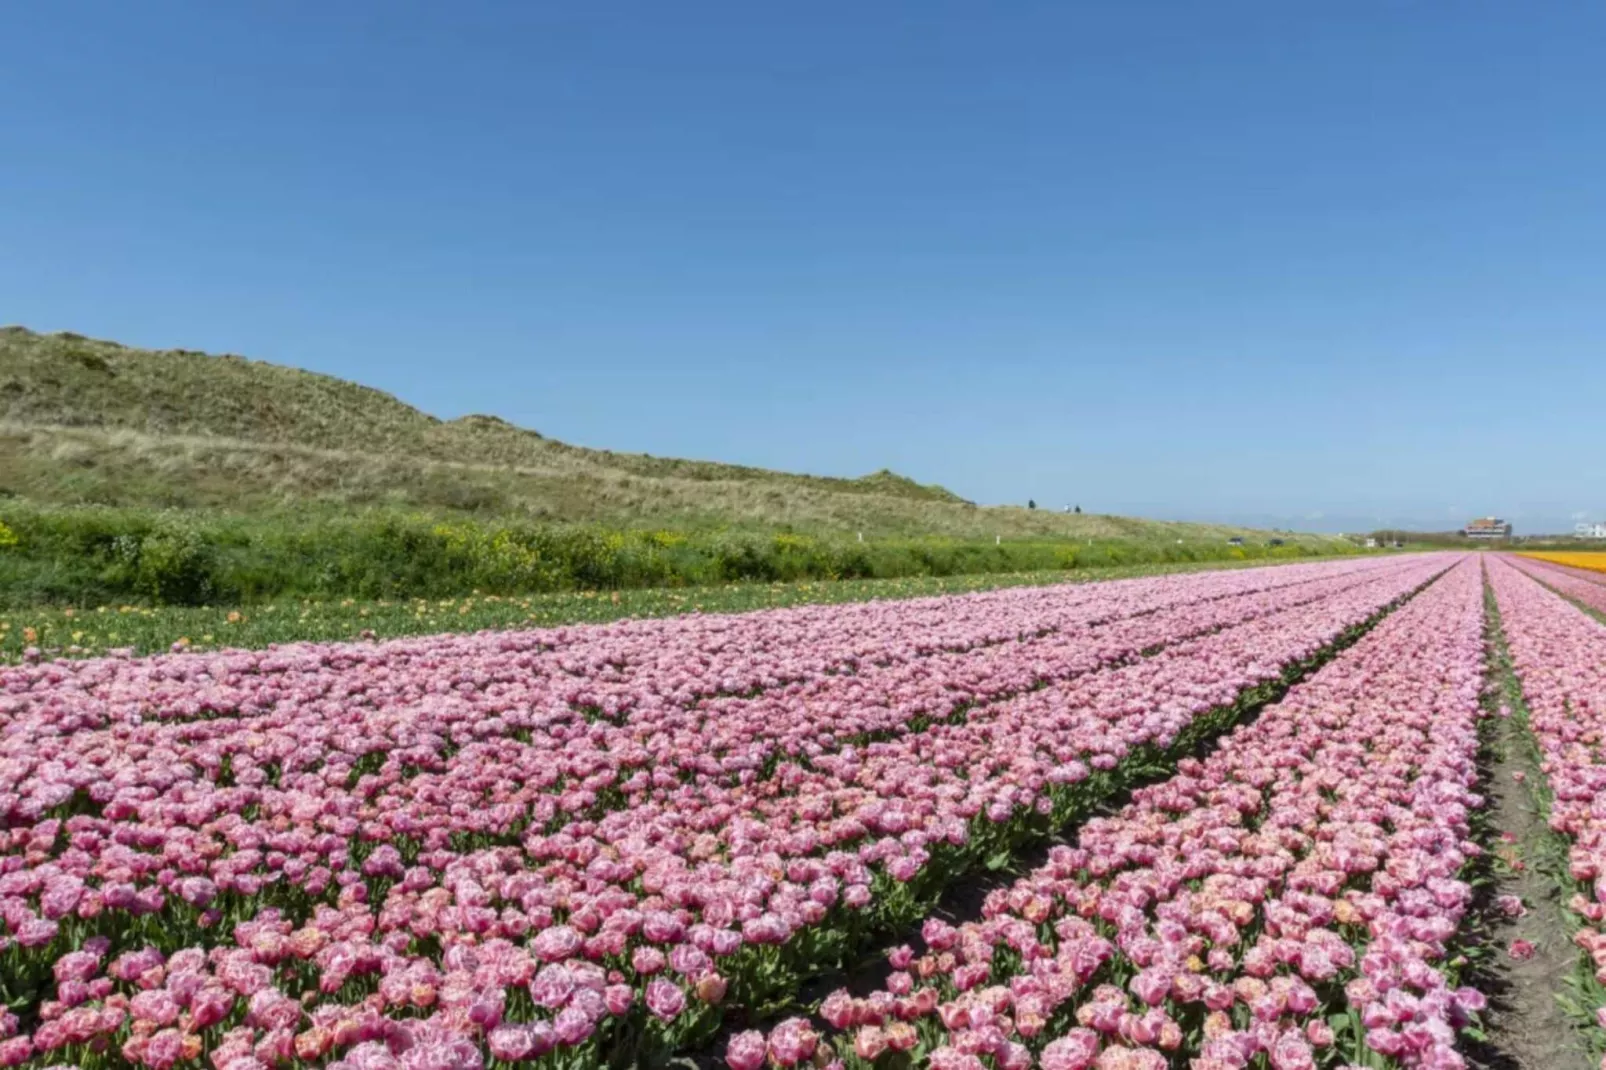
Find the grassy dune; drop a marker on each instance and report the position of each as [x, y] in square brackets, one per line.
[173, 476]
[91, 422]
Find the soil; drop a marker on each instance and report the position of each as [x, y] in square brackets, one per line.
[1525, 1026]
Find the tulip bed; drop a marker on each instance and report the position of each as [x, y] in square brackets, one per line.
[563, 846]
[1559, 655]
[1287, 902]
[1586, 562]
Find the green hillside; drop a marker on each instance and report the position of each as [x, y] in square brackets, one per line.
[89, 422]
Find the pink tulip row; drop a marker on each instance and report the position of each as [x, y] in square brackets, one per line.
[1289, 899]
[398, 703]
[565, 762]
[1586, 588]
[338, 905]
[376, 709]
[877, 701]
[576, 758]
[397, 820]
[678, 660]
[1538, 566]
[337, 721]
[1046, 628]
[1559, 654]
[653, 755]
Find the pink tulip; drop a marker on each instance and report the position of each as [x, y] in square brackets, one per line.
[665, 999]
[1074, 1051]
[746, 1051]
[791, 1042]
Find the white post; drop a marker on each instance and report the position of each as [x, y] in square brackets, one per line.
[861, 536]
[998, 540]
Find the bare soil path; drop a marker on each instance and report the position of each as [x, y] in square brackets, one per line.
[1526, 1027]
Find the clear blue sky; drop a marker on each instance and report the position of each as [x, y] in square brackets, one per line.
[1321, 264]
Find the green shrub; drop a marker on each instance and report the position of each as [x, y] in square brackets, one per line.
[100, 555]
[175, 565]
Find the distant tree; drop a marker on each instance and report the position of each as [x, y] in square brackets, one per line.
[1078, 508]
[1031, 503]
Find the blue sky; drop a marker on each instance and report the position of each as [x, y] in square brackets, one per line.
[1318, 265]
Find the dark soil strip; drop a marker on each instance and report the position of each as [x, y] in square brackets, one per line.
[1526, 1027]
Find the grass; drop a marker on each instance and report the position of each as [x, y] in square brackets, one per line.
[86, 632]
[95, 556]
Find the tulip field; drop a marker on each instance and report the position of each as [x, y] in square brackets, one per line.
[1211, 820]
[1593, 561]
[1588, 588]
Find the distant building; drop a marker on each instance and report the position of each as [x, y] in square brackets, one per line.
[1590, 531]
[1488, 527]
[1371, 543]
